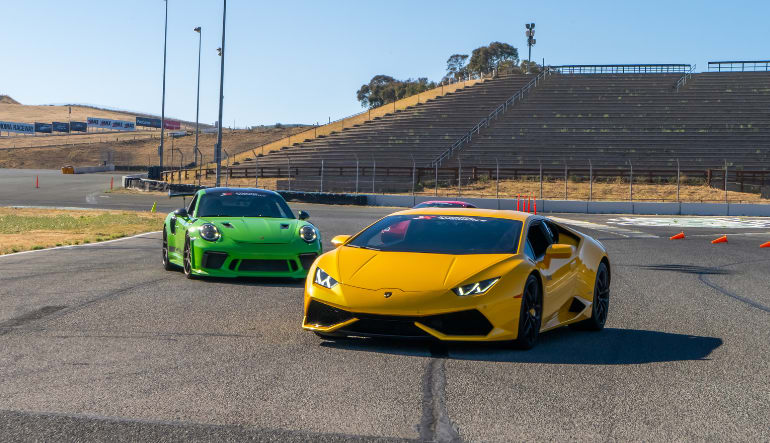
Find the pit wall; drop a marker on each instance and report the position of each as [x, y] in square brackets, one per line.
[593, 207]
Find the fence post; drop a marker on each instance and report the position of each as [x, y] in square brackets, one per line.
[497, 182]
[726, 183]
[374, 173]
[435, 193]
[356, 175]
[459, 175]
[590, 179]
[288, 171]
[541, 179]
[256, 172]
[631, 181]
[565, 181]
[677, 180]
[413, 168]
[322, 175]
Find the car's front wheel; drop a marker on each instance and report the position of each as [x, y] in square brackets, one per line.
[188, 259]
[167, 265]
[530, 315]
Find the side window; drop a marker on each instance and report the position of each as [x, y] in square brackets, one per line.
[191, 208]
[539, 239]
[551, 231]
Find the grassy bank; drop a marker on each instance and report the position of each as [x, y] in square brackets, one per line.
[24, 229]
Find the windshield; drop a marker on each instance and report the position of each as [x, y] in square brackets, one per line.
[243, 204]
[441, 234]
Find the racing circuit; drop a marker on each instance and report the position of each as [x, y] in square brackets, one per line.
[100, 341]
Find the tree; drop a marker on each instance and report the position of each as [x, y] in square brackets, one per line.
[485, 58]
[456, 66]
[383, 89]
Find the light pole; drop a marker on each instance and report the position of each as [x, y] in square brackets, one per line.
[530, 33]
[218, 147]
[163, 100]
[198, 100]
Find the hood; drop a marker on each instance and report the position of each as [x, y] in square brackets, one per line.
[255, 229]
[409, 271]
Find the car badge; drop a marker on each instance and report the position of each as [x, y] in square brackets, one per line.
[388, 294]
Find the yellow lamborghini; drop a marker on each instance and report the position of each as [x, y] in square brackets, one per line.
[458, 274]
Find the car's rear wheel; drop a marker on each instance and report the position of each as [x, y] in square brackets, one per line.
[530, 315]
[188, 259]
[601, 303]
[167, 265]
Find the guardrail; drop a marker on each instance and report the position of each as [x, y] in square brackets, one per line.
[622, 69]
[683, 79]
[739, 66]
[458, 144]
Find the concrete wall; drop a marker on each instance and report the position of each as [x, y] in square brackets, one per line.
[593, 207]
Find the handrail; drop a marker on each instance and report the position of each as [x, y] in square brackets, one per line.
[467, 137]
[621, 68]
[683, 79]
[731, 66]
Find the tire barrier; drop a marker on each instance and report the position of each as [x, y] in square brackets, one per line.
[326, 198]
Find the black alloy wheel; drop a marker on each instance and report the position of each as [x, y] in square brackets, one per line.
[531, 314]
[188, 259]
[167, 265]
[601, 303]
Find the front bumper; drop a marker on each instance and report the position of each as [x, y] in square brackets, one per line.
[253, 260]
[479, 319]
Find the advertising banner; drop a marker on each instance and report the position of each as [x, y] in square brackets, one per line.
[43, 127]
[19, 128]
[173, 124]
[61, 127]
[78, 126]
[148, 122]
[123, 125]
[115, 125]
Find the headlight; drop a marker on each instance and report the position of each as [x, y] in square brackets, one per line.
[475, 288]
[324, 279]
[308, 233]
[209, 232]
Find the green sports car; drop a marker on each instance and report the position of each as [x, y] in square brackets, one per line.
[239, 232]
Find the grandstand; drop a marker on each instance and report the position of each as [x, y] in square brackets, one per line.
[649, 117]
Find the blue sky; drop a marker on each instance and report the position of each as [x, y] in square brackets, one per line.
[302, 61]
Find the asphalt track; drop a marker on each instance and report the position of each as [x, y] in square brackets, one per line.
[99, 343]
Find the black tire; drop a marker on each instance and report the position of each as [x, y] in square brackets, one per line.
[167, 265]
[187, 259]
[601, 302]
[530, 315]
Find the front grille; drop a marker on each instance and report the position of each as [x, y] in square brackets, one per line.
[307, 260]
[470, 322]
[385, 326]
[256, 265]
[213, 260]
[325, 315]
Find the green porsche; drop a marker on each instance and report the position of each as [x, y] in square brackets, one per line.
[239, 232]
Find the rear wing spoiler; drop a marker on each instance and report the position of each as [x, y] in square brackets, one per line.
[172, 194]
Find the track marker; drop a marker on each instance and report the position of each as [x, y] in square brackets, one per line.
[765, 245]
[37, 181]
[722, 239]
[679, 236]
[154, 206]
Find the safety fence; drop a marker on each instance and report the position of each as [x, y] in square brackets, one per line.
[739, 66]
[623, 69]
[562, 182]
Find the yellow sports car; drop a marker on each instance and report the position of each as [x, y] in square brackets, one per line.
[458, 274]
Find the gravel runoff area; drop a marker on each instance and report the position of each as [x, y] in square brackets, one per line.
[97, 342]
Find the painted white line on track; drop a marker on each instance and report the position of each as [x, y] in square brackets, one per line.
[694, 222]
[622, 232]
[80, 246]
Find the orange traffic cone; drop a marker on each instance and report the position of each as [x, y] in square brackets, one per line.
[765, 245]
[518, 208]
[722, 239]
[679, 236]
[535, 207]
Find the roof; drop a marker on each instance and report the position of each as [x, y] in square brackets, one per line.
[252, 190]
[469, 212]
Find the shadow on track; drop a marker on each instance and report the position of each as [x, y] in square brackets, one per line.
[562, 346]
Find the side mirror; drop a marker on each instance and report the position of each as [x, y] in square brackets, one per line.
[303, 215]
[181, 212]
[338, 240]
[558, 251]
